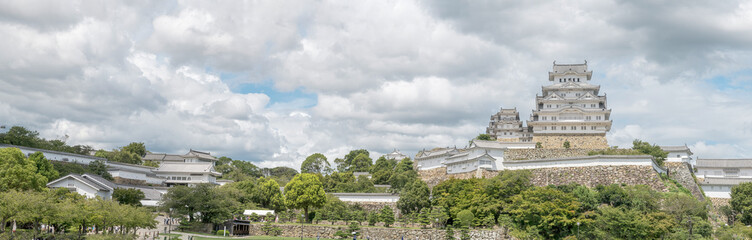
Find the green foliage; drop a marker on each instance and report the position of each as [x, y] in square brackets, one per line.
[464, 234]
[465, 217]
[653, 150]
[414, 197]
[349, 164]
[121, 156]
[150, 163]
[741, 202]
[271, 230]
[64, 168]
[566, 144]
[484, 137]
[305, 191]
[386, 215]
[449, 234]
[438, 216]
[280, 174]
[215, 205]
[538, 145]
[403, 173]
[268, 194]
[21, 136]
[130, 196]
[316, 163]
[19, 172]
[552, 212]
[238, 170]
[99, 168]
[382, 170]
[44, 166]
[135, 147]
[223, 232]
[615, 151]
[346, 182]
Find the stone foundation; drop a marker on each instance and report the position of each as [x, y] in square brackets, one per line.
[575, 141]
[682, 173]
[435, 176]
[310, 231]
[599, 175]
[544, 153]
[128, 181]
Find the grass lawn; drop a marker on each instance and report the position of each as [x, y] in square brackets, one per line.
[261, 238]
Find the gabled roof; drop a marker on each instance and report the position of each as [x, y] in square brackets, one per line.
[99, 185]
[676, 149]
[724, 163]
[199, 154]
[100, 180]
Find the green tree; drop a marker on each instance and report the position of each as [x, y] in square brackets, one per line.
[567, 145]
[741, 201]
[484, 137]
[653, 150]
[551, 211]
[382, 170]
[99, 168]
[465, 217]
[361, 163]
[130, 196]
[18, 172]
[316, 163]
[346, 164]
[386, 215]
[135, 147]
[44, 166]
[538, 145]
[268, 194]
[305, 191]
[414, 197]
[120, 156]
[21, 136]
[403, 174]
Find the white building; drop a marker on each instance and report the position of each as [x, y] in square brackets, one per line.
[678, 154]
[187, 173]
[571, 105]
[396, 155]
[134, 172]
[88, 185]
[368, 197]
[506, 126]
[56, 155]
[718, 176]
[192, 156]
[480, 154]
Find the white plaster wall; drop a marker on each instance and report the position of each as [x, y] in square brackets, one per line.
[717, 191]
[62, 157]
[431, 163]
[383, 198]
[80, 187]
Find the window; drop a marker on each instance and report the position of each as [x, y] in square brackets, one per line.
[544, 117]
[582, 128]
[587, 118]
[553, 118]
[592, 105]
[544, 127]
[597, 117]
[592, 128]
[678, 156]
[553, 127]
[577, 94]
[573, 128]
[548, 106]
[563, 94]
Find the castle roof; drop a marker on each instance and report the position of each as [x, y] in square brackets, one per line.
[724, 163]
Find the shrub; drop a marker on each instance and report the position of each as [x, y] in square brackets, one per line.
[466, 217]
[222, 232]
[271, 230]
[449, 234]
[567, 144]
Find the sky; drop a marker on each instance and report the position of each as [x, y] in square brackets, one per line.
[274, 81]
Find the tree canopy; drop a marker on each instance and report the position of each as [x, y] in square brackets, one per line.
[130, 196]
[316, 163]
[21, 136]
[17, 172]
[305, 191]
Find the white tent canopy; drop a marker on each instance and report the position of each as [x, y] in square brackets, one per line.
[258, 212]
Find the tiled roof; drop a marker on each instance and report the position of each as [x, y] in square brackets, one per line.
[99, 180]
[51, 151]
[186, 167]
[674, 148]
[88, 181]
[724, 181]
[724, 163]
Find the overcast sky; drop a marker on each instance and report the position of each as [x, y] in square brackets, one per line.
[274, 81]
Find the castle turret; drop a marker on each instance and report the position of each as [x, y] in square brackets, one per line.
[506, 126]
[570, 109]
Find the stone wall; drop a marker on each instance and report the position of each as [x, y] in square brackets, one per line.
[128, 181]
[599, 175]
[544, 153]
[376, 233]
[575, 141]
[434, 176]
[682, 173]
[377, 206]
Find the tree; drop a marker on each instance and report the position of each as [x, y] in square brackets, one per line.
[465, 218]
[361, 163]
[305, 191]
[268, 195]
[18, 172]
[386, 215]
[382, 170]
[120, 156]
[403, 174]
[484, 137]
[567, 144]
[653, 150]
[741, 201]
[130, 196]
[44, 166]
[99, 168]
[538, 145]
[135, 147]
[346, 164]
[215, 205]
[414, 197]
[21, 136]
[552, 212]
[316, 163]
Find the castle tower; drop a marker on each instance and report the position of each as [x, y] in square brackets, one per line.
[506, 126]
[570, 109]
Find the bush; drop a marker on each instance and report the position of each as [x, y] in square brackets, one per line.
[466, 218]
[271, 230]
[222, 232]
[449, 234]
